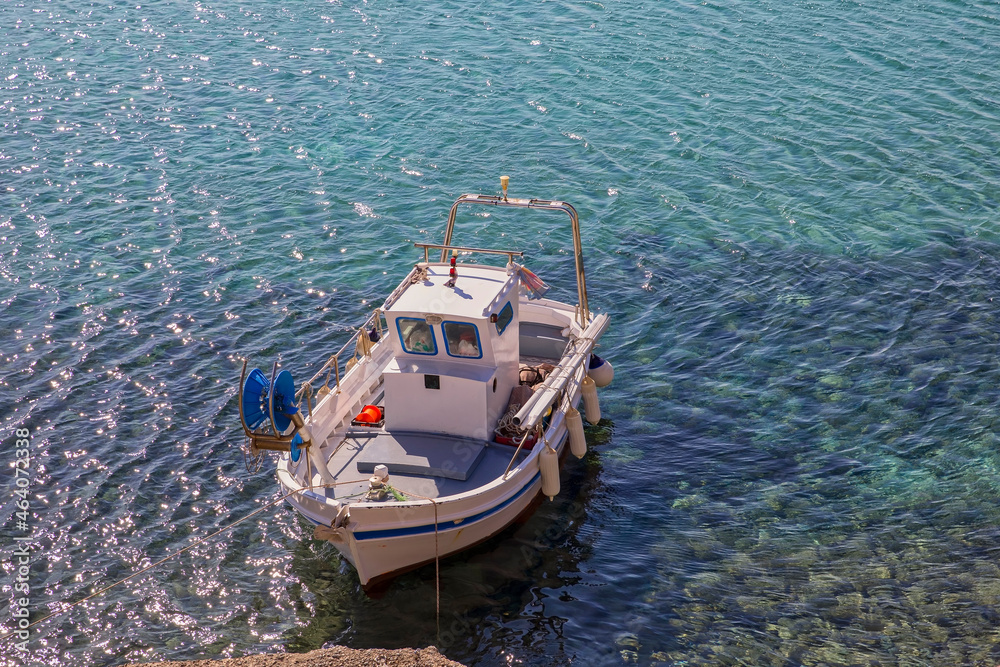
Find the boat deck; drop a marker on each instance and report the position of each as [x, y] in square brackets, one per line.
[431, 465]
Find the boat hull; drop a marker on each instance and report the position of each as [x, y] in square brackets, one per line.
[382, 541]
[379, 560]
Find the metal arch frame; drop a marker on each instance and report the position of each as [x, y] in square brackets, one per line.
[545, 205]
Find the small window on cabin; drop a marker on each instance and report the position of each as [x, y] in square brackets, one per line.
[416, 335]
[504, 318]
[462, 339]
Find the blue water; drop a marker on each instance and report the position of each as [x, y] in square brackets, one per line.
[789, 211]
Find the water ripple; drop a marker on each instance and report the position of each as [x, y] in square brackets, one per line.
[788, 211]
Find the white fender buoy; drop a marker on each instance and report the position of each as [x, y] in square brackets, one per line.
[577, 440]
[548, 463]
[601, 370]
[591, 406]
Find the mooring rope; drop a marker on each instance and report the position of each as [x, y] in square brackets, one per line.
[188, 547]
[437, 560]
[437, 573]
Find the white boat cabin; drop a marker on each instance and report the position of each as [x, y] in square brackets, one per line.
[455, 350]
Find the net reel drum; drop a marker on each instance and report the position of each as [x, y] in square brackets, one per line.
[271, 420]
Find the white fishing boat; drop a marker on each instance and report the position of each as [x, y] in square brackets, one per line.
[446, 416]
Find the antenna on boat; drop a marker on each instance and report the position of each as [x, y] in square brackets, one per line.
[504, 181]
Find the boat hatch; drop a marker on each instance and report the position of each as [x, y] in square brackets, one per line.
[421, 454]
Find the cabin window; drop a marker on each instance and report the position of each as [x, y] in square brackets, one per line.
[416, 335]
[462, 340]
[504, 318]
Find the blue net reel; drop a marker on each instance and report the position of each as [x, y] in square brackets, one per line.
[261, 400]
[283, 401]
[255, 392]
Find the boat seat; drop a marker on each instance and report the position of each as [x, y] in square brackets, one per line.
[422, 454]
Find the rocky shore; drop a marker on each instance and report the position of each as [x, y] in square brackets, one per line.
[338, 656]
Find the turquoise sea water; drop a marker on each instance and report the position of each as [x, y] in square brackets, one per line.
[789, 211]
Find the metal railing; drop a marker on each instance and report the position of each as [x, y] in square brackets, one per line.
[583, 316]
[363, 346]
[511, 254]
